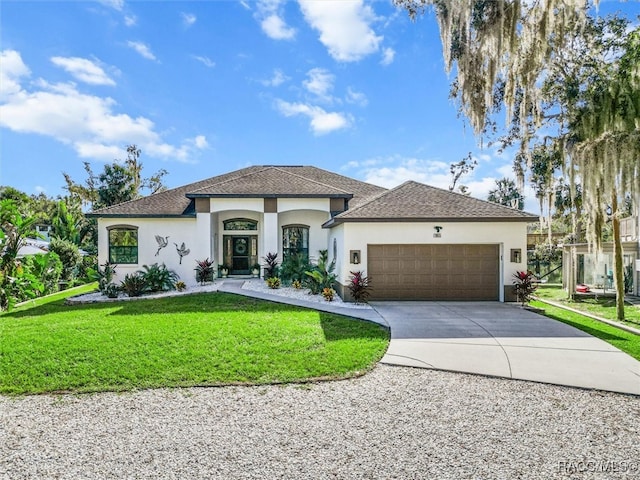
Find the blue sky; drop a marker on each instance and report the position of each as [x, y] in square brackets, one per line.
[207, 87]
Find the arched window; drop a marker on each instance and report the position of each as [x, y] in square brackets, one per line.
[295, 240]
[240, 224]
[123, 244]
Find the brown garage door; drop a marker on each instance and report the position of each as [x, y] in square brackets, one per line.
[434, 272]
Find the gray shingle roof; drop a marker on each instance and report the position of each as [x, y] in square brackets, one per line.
[251, 181]
[413, 201]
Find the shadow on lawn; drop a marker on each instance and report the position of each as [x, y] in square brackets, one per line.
[336, 328]
[197, 302]
[596, 332]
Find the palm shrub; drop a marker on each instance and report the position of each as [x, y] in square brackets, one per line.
[359, 286]
[293, 268]
[158, 277]
[322, 275]
[273, 282]
[524, 285]
[104, 275]
[133, 284]
[204, 270]
[270, 265]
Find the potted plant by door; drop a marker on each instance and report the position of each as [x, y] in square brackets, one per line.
[255, 270]
[224, 270]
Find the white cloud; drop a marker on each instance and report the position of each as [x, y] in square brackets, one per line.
[270, 14]
[115, 4]
[188, 19]
[90, 124]
[344, 27]
[130, 20]
[84, 70]
[399, 169]
[321, 121]
[39, 189]
[142, 49]
[13, 69]
[245, 5]
[206, 61]
[276, 28]
[277, 79]
[200, 142]
[320, 83]
[388, 54]
[357, 98]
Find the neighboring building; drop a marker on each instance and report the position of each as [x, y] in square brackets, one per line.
[415, 241]
[595, 269]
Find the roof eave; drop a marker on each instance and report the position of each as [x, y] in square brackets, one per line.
[141, 215]
[337, 220]
[269, 195]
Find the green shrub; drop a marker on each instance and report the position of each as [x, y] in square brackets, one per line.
[69, 256]
[47, 268]
[104, 275]
[181, 286]
[273, 282]
[293, 268]
[322, 275]
[112, 290]
[133, 285]
[359, 286]
[158, 278]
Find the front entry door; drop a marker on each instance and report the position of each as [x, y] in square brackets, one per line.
[240, 256]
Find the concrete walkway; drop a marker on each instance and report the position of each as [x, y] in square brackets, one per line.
[503, 340]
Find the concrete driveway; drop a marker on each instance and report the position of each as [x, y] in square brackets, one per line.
[503, 340]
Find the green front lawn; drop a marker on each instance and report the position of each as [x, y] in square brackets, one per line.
[201, 339]
[604, 307]
[625, 341]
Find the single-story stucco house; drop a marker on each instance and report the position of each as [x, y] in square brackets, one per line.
[414, 241]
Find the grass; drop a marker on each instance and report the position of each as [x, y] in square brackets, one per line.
[625, 341]
[604, 307]
[200, 339]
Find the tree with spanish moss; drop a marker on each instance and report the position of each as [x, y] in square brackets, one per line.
[510, 55]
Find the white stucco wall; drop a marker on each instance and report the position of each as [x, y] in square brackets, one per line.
[223, 204]
[287, 204]
[509, 235]
[179, 230]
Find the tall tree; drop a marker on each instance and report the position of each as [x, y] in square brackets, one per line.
[504, 50]
[460, 169]
[507, 193]
[119, 181]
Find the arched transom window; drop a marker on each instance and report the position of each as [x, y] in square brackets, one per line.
[240, 224]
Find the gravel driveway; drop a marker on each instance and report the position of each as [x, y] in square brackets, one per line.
[395, 422]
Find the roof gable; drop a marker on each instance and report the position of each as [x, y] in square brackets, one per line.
[413, 201]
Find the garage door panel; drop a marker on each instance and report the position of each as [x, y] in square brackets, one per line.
[434, 272]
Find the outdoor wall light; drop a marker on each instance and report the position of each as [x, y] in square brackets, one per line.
[516, 255]
[437, 228]
[355, 256]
